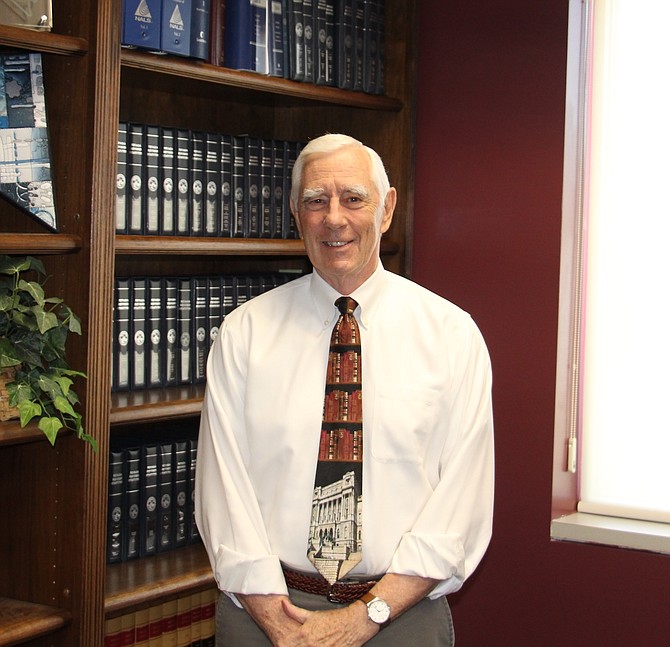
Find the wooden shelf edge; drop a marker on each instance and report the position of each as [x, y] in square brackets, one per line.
[196, 246]
[257, 82]
[22, 621]
[141, 583]
[11, 433]
[42, 41]
[185, 245]
[39, 243]
[156, 404]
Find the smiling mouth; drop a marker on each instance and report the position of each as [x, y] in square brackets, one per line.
[336, 243]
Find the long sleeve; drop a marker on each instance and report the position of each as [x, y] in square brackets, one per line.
[227, 510]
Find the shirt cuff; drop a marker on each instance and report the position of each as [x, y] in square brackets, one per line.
[246, 574]
[439, 557]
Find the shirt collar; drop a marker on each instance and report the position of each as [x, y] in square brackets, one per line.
[367, 296]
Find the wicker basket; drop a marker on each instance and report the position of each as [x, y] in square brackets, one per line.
[6, 412]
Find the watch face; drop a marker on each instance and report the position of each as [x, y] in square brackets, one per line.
[378, 611]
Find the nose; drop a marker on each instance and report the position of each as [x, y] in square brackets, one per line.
[334, 216]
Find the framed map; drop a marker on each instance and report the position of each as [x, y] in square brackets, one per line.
[25, 158]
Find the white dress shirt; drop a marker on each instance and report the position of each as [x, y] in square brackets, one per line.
[427, 434]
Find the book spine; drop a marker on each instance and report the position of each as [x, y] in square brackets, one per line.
[278, 37]
[201, 326]
[142, 24]
[320, 42]
[277, 188]
[169, 623]
[136, 174]
[185, 371]
[132, 508]
[200, 31]
[214, 308]
[226, 228]
[209, 601]
[239, 204]
[139, 334]
[238, 52]
[252, 186]
[142, 619]
[181, 493]
[197, 175]
[344, 29]
[296, 39]
[328, 66]
[227, 296]
[121, 179]
[165, 498]
[167, 192]
[153, 181]
[115, 512]
[194, 535]
[370, 45]
[289, 229]
[359, 44]
[265, 192]
[260, 36]
[183, 158]
[184, 621]
[149, 500]
[155, 332]
[171, 360]
[176, 27]
[212, 183]
[121, 346]
[216, 32]
[308, 7]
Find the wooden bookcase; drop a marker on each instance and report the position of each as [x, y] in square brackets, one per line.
[55, 588]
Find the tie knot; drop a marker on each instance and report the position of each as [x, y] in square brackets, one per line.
[346, 305]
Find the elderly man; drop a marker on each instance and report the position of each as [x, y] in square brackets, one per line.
[345, 468]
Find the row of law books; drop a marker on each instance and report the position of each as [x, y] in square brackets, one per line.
[150, 498]
[163, 327]
[328, 42]
[180, 182]
[337, 43]
[178, 27]
[189, 621]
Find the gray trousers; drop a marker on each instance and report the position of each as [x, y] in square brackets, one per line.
[428, 624]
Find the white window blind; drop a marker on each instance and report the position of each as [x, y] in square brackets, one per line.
[624, 328]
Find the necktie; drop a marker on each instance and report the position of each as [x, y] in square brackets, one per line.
[335, 528]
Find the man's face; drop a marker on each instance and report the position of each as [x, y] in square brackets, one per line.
[340, 216]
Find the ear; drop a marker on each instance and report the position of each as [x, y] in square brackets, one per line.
[389, 208]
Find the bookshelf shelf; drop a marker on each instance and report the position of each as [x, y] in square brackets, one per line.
[208, 246]
[22, 621]
[11, 433]
[150, 245]
[200, 71]
[140, 583]
[39, 243]
[156, 404]
[41, 41]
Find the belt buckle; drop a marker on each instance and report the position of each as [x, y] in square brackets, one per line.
[332, 595]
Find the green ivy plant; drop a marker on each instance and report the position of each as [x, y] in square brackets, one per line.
[33, 333]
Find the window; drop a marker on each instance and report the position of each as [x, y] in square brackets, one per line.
[613, 375]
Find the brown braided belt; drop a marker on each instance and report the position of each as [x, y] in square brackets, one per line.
[342, 591]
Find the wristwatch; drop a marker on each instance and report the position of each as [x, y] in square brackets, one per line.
[378, 611]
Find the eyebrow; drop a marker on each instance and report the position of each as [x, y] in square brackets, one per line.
[359, 190]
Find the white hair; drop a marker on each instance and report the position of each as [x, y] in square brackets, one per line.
[330, 143]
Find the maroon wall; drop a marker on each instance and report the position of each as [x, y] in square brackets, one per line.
[487, 236]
